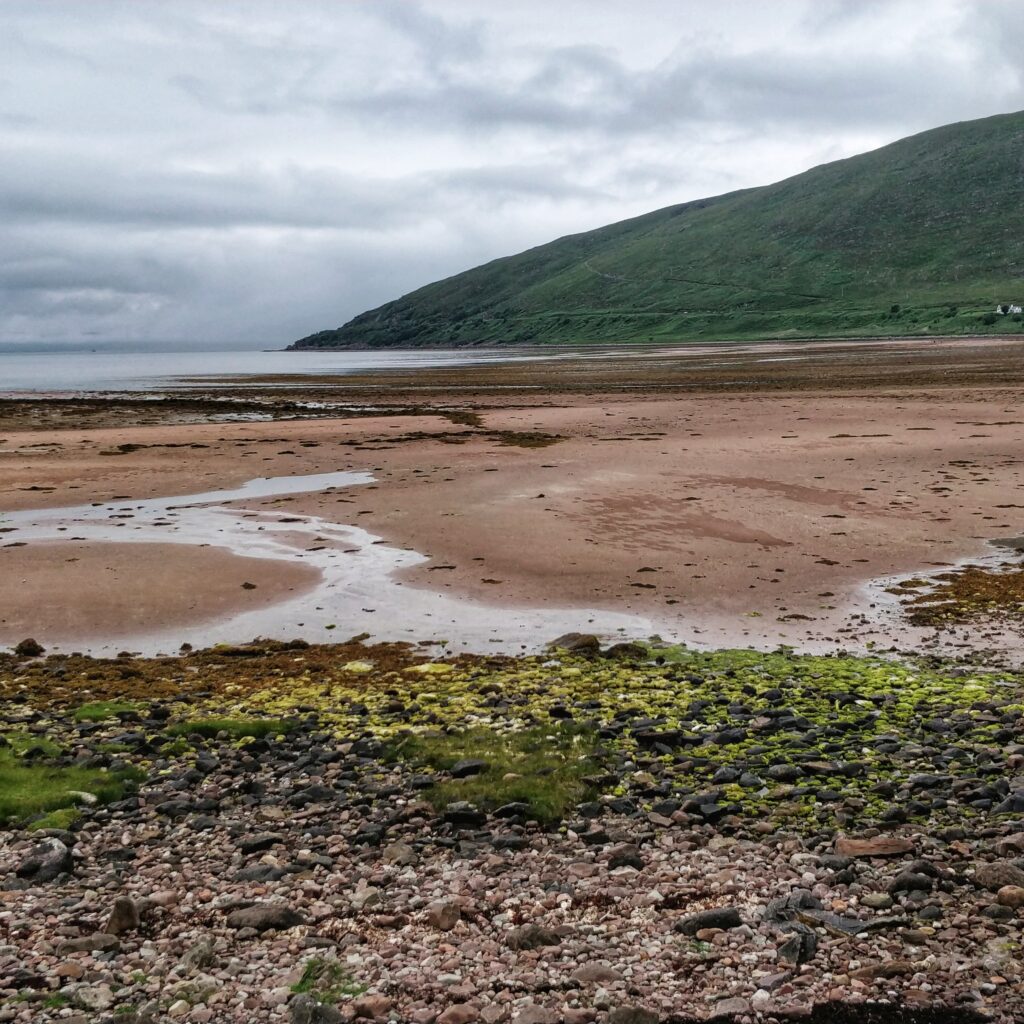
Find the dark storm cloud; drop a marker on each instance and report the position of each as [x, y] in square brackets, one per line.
[254, 171]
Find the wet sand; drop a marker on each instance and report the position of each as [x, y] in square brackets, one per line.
[737, 496]
[75, 590]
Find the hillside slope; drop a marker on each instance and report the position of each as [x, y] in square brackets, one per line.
[925, 235]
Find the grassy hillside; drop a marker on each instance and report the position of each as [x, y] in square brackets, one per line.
[922, 236]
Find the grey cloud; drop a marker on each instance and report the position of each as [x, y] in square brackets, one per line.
[589, 91]
[511, 183]
[437, 39]
[39, 267]
[299, 198]
[997, 27]
[826, 14]
[64, 285]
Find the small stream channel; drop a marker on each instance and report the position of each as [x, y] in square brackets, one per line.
[360, 590]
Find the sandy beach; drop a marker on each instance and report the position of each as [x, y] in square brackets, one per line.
[752, 512]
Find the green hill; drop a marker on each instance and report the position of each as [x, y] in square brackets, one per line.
[925, 235]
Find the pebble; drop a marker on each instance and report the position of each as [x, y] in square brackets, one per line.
[1011, 896]
[444, 915]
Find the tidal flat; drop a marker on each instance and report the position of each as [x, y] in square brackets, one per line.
[721, 496]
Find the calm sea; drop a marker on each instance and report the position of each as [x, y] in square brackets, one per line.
[139, 370]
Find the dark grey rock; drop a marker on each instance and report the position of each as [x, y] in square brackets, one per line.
[632, 1015]
[510, 842]
[260, 873]
[786, 907]
[800, 946]
[468, 767]
[911, 881]
[29, 648]
[625, 855]
[305, 1009]
[263, 916]
[46, 861]
[461, 812]
[576, 643]
[532, 936]
[719, 917]
[516, 809]
[728, 737]
[259, 842]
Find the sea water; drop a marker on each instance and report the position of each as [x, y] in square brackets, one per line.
[55, 370]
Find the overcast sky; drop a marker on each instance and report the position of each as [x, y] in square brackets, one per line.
[245, 171]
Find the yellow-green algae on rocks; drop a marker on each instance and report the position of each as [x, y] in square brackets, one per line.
[969, 594]
[734, 736]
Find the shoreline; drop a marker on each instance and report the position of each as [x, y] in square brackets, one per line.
[516, 357]
[583, 346]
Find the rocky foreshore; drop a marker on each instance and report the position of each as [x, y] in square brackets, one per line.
[315, 834]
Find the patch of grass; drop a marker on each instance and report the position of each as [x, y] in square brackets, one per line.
[63, 817]
[56, 1001]
[542, 767]
[236, 728]
[175, 747]
[101, 710]
[327, 980]
[22, 742]
[31, 788]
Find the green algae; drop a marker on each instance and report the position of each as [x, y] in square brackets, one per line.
[100, 710]
[842, 708]
[62, 818]
[21, 742]
[235, 728]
